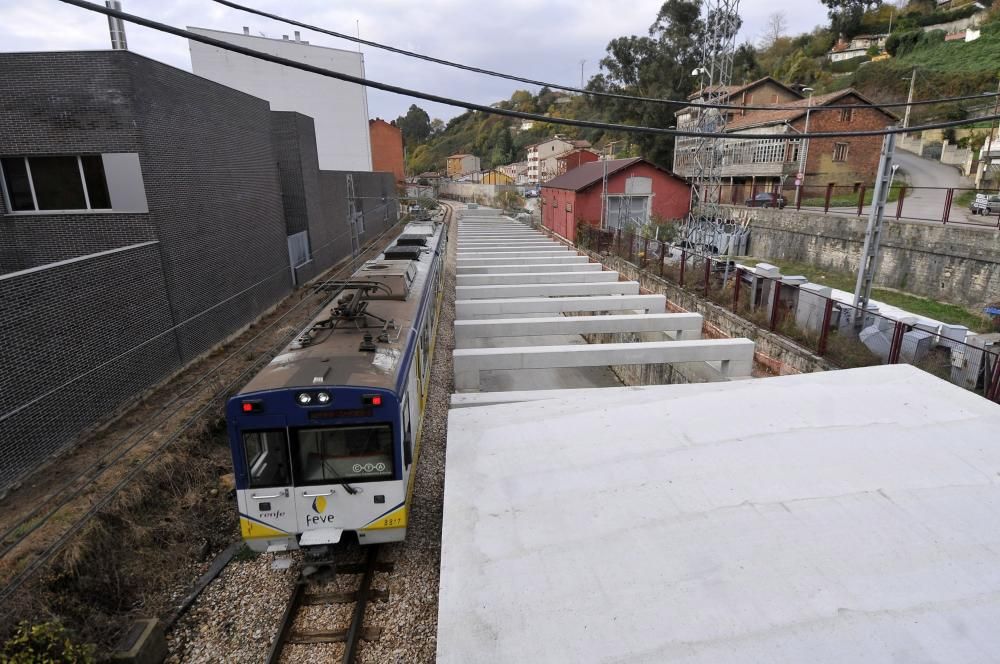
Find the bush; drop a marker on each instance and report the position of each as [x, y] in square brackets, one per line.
[849, 65]
[44, 643]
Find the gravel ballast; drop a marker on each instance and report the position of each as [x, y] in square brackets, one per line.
[236, 618]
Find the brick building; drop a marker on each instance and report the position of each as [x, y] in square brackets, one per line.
[638, 191]
[753, 165]
[146, 215]
[573, 159]
[387, 148]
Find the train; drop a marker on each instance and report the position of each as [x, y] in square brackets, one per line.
[325, 438]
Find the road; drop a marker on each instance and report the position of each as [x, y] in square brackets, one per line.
[928, 181]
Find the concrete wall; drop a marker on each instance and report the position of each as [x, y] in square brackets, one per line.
[471, 191]
[949, 263]
[340, 109]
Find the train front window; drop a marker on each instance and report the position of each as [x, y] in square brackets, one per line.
[344, 454]
[267, 458]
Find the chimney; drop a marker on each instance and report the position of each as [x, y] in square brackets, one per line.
[116, 27]
[246, 30]
[297, 37]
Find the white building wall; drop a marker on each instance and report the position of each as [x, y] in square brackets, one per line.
[339, 109]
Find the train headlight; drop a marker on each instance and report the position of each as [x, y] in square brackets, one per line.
[323, 397]
[304, 398]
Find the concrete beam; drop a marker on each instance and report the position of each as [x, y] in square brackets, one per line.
[539, 260]
[507, 245]
[522, 268]
[735, 356]
[512, 278]
[466, 309]
[687, 326]
[515, 255]
[543, 290]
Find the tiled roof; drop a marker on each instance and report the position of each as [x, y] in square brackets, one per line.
[758, 118]
[592, 172]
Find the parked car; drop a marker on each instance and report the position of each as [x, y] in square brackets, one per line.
[767, 200]
[531, 193]
[985, 204]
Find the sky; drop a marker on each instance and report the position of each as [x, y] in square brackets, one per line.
[544, 40]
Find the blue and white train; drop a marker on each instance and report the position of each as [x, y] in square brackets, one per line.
[325, 438]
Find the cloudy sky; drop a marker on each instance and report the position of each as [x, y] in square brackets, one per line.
[543, 39]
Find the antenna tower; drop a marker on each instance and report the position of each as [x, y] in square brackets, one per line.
[707, 219]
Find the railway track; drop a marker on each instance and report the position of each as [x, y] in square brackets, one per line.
[306, 594]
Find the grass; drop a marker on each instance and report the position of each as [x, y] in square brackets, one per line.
[947, 313]
[851, 199]
[957, 57]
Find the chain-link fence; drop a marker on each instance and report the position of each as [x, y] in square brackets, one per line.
[809, 315]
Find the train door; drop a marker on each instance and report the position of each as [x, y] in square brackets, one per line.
[267, 505]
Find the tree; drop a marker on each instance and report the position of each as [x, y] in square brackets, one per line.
[775, 27]
[846, 15]
[657, 65]
[437, 127]
[415, 125]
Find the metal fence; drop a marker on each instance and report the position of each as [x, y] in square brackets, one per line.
[925, 204]
[835, 330]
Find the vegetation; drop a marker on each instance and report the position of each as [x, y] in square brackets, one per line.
[659, 64]
[44, 643]
[947, 313]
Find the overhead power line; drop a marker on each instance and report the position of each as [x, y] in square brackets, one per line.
[449, 101]
[568, 88]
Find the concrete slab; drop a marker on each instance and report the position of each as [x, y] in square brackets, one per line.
[547, 290]
[509, 278]
[514, 253]
[688, 326]
[735, 356]
[466, 309]
[637, 525]
[562, 258]
[542, 267]
[469, 252]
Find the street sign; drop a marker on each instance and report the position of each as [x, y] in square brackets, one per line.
[799, 176]
[798, 182]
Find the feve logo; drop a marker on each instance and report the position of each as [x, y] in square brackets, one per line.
[319, 504]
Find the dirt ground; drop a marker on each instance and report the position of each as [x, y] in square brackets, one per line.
[156, 533]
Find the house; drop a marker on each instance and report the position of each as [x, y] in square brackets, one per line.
[339, 109]
[495, 176]
[750, 165]
[637, 192]
[518, 172]
[567, 161]
[387, 148]
[761, 92]
[166, 216]
[462, 164]
[856, 47]
[541, 156]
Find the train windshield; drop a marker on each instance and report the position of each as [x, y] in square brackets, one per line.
[343, 454]
[267, 458]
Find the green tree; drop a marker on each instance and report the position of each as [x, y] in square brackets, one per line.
[415, 125]
[846, 15]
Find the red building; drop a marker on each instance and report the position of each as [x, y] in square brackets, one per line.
[573, 159]
[387, 148]
[638, 192]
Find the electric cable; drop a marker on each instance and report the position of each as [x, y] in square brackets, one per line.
[566, 88]
[449, 101]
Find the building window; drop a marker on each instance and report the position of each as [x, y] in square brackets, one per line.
[840, 152]
[569, 207]
[846, 114]
[55, 183]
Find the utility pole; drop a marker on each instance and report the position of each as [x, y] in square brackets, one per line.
[869, 254]
[909, 98]
[582, 63]
[984, 156]
[116, 27]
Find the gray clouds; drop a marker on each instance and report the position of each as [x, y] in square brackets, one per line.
[543, 40]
